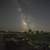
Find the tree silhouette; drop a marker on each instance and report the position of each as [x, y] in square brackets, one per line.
[29, 30]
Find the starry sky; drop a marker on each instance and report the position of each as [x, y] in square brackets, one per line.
[36, 12]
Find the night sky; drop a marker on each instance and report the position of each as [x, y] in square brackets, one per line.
[34, 13]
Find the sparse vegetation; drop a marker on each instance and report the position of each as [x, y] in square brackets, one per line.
[31, 39]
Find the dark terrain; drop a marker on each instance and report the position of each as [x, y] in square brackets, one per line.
[17, 41]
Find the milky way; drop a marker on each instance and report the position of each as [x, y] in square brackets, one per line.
[36, 12]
